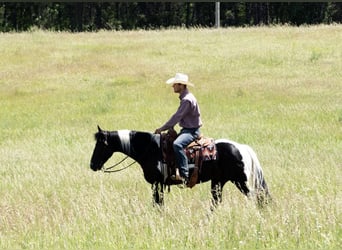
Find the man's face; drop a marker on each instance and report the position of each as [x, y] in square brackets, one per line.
[177, 87]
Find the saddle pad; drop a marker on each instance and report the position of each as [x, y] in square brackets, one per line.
[207, 151]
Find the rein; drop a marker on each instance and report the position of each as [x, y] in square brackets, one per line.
[107, 170]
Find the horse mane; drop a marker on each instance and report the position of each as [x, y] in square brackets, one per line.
[125, 139]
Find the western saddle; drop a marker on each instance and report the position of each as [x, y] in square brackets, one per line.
[198, 151]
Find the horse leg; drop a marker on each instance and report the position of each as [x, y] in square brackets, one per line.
[158, 197]
[260, 193]
[242, 186]
[263, 195]
[216, 192]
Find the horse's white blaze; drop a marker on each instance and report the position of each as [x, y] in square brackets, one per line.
[251, 163]
[125, 140]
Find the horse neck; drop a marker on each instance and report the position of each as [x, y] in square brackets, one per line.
[132, 143]
[119, 141]
[142, 147]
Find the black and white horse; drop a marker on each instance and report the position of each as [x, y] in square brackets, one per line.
[236, 162]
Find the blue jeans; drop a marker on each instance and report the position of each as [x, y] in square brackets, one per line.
[185, 137]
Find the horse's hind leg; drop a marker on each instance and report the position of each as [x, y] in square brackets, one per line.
[242, 186]
[263, 195]
[216, 192]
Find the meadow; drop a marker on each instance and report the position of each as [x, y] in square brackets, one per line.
[278, 89]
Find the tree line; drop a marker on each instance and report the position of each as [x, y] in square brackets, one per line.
[86, 16]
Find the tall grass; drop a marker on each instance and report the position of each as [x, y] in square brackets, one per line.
[277, 89]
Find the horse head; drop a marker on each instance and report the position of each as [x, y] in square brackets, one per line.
[102, 151]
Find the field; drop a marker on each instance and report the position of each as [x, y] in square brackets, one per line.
[278, 89]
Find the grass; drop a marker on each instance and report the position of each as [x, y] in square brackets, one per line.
[277, 89]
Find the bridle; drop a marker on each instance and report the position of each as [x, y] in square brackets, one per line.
[108, 170]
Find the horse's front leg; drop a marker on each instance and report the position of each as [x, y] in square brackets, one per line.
[216, 192]
[158, 194]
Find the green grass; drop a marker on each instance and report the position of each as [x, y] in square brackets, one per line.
[277, 89]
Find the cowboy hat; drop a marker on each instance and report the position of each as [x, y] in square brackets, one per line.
[180, 78]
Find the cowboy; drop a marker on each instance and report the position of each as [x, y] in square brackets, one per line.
[188, 117]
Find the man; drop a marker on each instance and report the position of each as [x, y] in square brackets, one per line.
[188, 117]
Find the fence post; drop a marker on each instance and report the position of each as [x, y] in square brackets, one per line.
[217, 15]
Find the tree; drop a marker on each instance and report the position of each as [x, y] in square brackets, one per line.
[87, 16]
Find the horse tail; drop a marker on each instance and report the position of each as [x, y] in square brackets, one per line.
[257, 181]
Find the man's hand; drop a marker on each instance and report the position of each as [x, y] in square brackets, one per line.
[158, 131]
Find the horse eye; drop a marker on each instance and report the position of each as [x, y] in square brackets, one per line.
[105, 142]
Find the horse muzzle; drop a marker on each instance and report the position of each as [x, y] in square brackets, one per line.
[95, 167]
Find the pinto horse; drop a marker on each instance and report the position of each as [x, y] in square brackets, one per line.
[235, 162]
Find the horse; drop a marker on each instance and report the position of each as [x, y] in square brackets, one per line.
[235, 162]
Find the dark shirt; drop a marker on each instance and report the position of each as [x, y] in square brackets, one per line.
[188, 113]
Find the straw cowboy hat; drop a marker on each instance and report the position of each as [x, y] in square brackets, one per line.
[180, 78]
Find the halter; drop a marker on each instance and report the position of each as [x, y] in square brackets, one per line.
[107, 170]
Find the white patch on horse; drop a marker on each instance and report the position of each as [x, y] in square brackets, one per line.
[246, 158]
[252, 166]
[125, 140]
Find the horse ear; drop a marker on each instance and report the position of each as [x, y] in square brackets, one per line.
[104, 135]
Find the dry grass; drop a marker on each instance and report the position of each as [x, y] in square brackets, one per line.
[277, 89]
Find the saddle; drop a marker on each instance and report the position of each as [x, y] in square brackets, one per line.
[198, 151]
